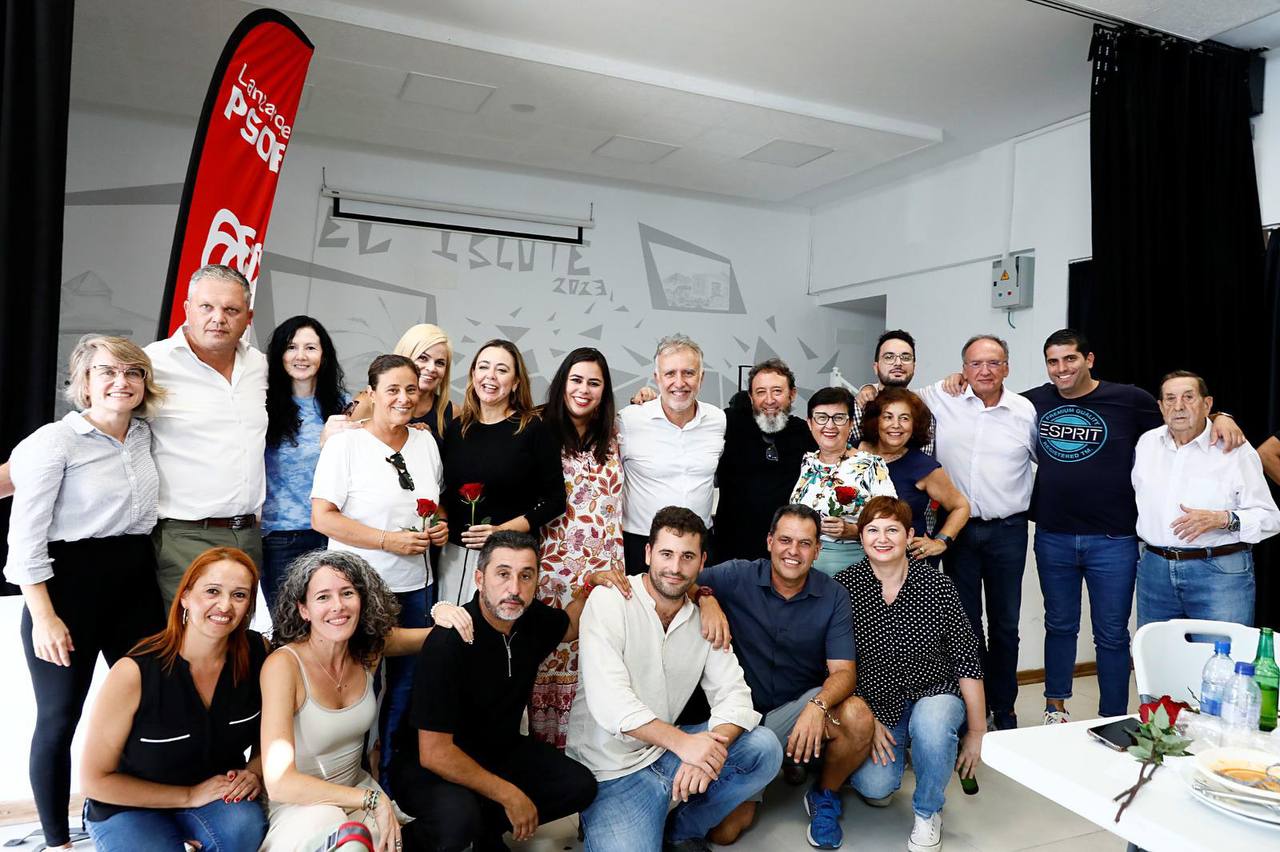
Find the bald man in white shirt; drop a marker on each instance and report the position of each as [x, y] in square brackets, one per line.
[1200, 511]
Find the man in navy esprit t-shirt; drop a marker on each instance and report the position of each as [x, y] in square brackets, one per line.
[1085, 514]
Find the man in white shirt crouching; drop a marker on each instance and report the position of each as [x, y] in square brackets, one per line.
[1200, 511]
[640, 660]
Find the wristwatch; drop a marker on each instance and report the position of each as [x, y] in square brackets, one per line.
[703, 592]
[944, 538]
[1233, 525]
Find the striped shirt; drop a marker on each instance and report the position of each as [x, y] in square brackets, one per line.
[73, 482]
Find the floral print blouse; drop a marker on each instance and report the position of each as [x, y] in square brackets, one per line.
[865, 473]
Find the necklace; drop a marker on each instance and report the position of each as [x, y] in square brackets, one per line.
[342, 670]
[894, 456]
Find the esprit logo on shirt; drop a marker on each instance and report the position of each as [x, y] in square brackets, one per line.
[1070, 433]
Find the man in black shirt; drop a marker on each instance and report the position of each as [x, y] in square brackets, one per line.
[763, 447]
[462, 767]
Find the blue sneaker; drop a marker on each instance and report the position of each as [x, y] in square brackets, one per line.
[823, 808]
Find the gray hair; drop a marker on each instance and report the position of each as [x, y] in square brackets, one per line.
[1004, 346]
[672, 342]
[379, 609]
[221, 272]
[509, 539]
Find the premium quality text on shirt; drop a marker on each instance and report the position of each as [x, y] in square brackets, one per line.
[633, 671]
[668, 465]
[987, 452]
[1199, 475]
[209, 435]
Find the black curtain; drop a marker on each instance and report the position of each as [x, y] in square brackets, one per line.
[1176, 280]
[35, 85]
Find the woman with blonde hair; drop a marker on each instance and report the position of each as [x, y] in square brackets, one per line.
[501, 466]
[166, 763]
[84, 505]
[431, 352]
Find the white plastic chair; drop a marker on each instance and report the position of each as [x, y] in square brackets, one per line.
[1167, 661]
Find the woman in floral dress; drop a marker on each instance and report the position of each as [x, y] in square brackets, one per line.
[583, 547]
[836, 481]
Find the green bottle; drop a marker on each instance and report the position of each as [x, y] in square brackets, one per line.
[1266, 674]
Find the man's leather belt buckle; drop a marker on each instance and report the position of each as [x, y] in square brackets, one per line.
[1182, 554]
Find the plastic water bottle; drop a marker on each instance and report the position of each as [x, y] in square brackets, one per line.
[1241, 706]
[1213, 681]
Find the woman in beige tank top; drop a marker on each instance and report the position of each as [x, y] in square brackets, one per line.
[335, 619]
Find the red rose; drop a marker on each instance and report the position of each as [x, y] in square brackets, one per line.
[934, 505]
[846, 494]
[426, 508]
[471, 491]
[1173, 708]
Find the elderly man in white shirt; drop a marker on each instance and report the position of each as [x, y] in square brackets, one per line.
[986, 442]
[640, 661]
[1200, 511]
[670, 447]
[209, 435]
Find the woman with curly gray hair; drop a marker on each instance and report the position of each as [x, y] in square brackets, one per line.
[335, 619]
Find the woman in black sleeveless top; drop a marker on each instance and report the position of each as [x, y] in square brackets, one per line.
[171, 726]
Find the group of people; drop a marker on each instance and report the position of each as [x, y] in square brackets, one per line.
[433, 572]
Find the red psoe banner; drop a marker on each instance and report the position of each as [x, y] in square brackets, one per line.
[240, 145]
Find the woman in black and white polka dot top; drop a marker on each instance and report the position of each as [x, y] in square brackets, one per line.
[918, 670]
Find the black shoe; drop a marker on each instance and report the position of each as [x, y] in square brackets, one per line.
[1004, 720]
[693, 844]
[794, 773]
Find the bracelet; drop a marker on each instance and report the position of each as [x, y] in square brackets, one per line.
[370, 803]
[382, 540]
[822, 705]
[435, 606]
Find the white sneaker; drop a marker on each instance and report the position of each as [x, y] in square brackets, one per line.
[926, 834]
[1056, 717]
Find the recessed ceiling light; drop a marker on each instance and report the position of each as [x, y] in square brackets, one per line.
[523, 107]
[457, 95]
[781, 152]
[634, 150]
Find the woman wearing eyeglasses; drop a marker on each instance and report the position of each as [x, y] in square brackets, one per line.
[836, 481]
[364, 498]
[79, 546]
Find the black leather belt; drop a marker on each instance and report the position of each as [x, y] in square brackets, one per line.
[1180, 554]
[238, 522]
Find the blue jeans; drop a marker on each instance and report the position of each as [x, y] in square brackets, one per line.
[399, 684]
[992, 555]
[930, 728]
[1108, 565]
[836, 556]
[1218, 589]
[629, 812]
[219, 826]
[279, 549]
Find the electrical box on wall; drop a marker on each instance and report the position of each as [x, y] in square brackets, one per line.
[1013, 286]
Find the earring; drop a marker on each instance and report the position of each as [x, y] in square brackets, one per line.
[184, 615]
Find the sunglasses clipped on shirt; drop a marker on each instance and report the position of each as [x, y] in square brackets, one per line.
[402, 471]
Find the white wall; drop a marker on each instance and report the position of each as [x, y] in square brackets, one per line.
[926, 244]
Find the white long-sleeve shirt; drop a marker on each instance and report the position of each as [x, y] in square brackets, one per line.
[631, 672]
[666, 464]
[1199, 475]
[987, 452]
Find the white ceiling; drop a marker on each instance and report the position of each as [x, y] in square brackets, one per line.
[661, 93]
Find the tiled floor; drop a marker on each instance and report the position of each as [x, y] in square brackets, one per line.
[1003, 817]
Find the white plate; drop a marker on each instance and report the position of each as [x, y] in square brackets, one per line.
[1253, 814]
[1207, 762]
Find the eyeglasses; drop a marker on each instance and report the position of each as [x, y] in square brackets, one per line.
[402, 471]
[132, 374]
[770, 449]
[978, 365]
[822, 418]
[891, 357]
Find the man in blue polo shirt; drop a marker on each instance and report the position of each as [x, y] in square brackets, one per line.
[793, 632]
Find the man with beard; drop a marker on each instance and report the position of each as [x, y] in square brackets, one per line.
[763, 447]
[463, 768]
[641, 659]
[895, 367]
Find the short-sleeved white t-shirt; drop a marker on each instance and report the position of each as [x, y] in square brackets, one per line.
[353, 474]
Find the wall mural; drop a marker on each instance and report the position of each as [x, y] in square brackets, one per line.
[548, 298]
